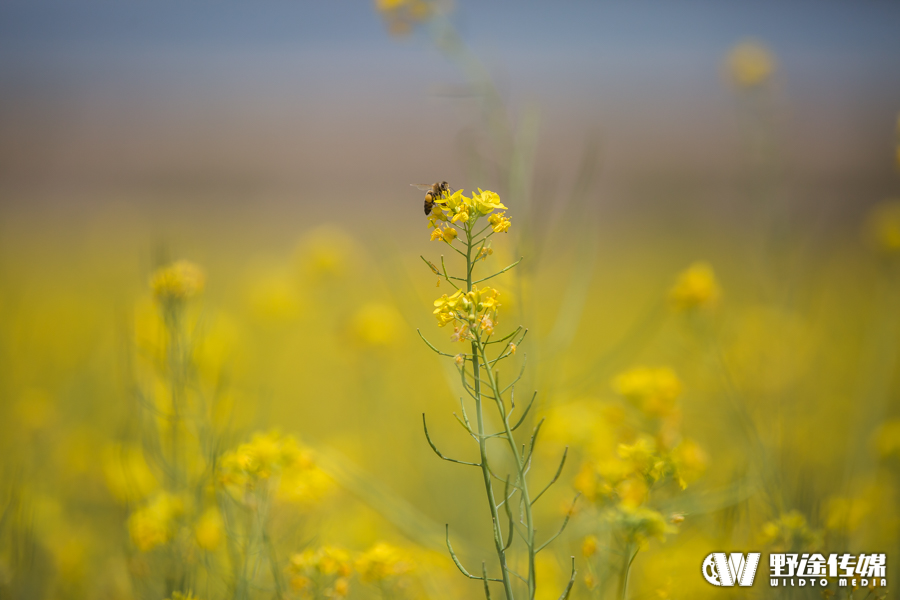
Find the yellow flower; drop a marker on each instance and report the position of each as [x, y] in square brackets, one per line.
[253, 465]
[448, 234]
[402, 15]
[382, 562]
[750, 63]
[791, 531]
[437, 234]
[181, 280]
[153, 524]
[460, 334]
[689, 461]
[209, 528]
[486, 202]
[653, 390]
[446, 307]
[499, 222]
[376, 325]
[327, 560]
[695, 287]
[462, 215]
[589, 546]
[459, 359]
[487, 325]
[642, 523]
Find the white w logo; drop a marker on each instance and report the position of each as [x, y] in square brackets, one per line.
[719, 569]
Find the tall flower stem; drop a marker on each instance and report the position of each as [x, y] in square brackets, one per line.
[482, 440]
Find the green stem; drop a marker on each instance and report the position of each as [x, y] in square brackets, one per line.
[623, 582]
[521, 482]
[482, 441]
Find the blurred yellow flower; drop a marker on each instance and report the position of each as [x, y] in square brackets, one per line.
[750, 63]
[632, 492]
[326, 252]
[641, 524]
[382, 562]
[791, 531]
[376, 325]
[883, 226]
[589, 545]
[402, 15]
[887, 439]
[181, 280]
[652, 390]
[273, 296]
[154, 523]
[209, 529]
[273, 457]
[695, 287]
[327, 560]
[689, 461]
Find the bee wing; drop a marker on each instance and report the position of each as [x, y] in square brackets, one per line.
[422, 186]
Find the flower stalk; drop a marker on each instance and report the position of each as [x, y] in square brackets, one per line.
[474, 312]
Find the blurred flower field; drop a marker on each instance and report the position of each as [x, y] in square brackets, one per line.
[225, 412]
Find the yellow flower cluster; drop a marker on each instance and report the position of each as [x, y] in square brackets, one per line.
[402, 15]
[325, 572]
[321, 572]
[696, 287]
[750, 64]
[459, 208]
[179, 281]
[471, 313]
[620, 483]
[155, 523]
[791, 531]
[272, 458]
[653, 390]
[383, 562]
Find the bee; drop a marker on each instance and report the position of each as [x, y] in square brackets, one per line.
[433, 192]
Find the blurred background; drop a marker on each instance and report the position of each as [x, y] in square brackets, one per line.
[272, 146]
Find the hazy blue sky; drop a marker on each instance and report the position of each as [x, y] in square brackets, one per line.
[274, 88]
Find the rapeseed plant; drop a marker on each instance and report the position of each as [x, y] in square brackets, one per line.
[474, 313]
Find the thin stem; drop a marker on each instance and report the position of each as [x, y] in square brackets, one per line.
[501, 271]
[482, 443]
